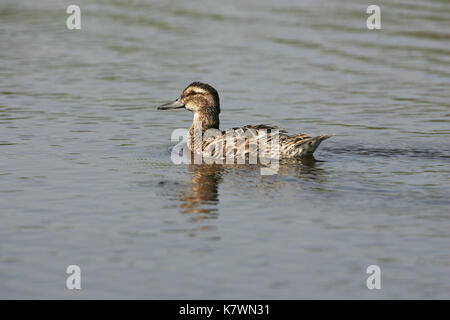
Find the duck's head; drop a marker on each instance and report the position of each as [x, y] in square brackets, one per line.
[198, 97]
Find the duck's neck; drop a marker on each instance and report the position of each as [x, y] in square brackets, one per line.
[204, 121]
[201, 123]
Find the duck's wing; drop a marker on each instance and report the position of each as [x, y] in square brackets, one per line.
[297, 145]
[267, 127]
[241, 138]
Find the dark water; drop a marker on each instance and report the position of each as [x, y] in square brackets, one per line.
[86, 176]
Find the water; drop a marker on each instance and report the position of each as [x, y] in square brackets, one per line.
[86, 176]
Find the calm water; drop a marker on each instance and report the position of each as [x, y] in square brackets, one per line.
[86, 176]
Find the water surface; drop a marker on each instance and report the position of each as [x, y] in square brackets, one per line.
[86, 176]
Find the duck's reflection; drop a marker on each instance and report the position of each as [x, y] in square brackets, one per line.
[202, 195]
[303, 169]
[199, 199]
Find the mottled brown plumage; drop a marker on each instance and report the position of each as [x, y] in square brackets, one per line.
[203, 101]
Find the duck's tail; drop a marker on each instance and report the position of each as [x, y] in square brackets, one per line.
[308, 146]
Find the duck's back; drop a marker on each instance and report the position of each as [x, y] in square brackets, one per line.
[275, 141]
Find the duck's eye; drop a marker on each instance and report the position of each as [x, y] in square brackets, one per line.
[191, 93]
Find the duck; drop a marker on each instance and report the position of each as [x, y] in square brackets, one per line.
[203, 101]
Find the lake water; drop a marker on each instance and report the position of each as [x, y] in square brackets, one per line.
[86, 176]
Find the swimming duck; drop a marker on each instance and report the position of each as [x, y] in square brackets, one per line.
[203, 101]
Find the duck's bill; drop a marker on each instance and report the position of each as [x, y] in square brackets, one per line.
[177, 104]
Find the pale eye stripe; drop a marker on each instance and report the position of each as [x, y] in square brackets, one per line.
[198, 91]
